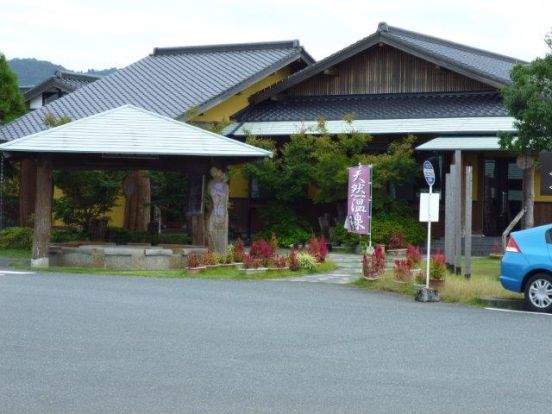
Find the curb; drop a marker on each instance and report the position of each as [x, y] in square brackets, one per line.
[514, 304]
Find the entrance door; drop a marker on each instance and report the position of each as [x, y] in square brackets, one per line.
[502, 195]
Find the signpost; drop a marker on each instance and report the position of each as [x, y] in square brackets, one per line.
[429, 175]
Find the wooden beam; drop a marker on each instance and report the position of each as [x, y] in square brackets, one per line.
[43, 213]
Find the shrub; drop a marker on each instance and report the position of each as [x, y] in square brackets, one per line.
[293, 261]
[172, 238]
[194, 260]
[67, 235]
[239, 251]
[318, 248]
[396, 240]
[306, 261]
[118, 235]
[280, 262]
[437, 267]
[274, 244]
[286, 224]
[210, 258]
[402, 270]
[373, 265]
[229, 258]
[250, 262]
[16, 238]
[414, 254]
[260, 249]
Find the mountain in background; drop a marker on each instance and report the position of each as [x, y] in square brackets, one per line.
[31, 71]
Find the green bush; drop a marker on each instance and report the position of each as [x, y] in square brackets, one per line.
[118, 235]
[173, 238]
[67, 235]
[16, 238]
[306, 261]
[383, 227]
[288, 227]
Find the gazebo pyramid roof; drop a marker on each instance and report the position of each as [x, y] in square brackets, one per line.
[130, 130]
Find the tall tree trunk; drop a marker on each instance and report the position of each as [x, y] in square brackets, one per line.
[27, 191]
[137, 191]
[43, 213]
[529, 196]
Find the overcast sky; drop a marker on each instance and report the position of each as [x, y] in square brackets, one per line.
[83, 34]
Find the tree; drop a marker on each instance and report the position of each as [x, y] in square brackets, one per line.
[313, 168]
[86, 195]
[12, 104]
[529, 101]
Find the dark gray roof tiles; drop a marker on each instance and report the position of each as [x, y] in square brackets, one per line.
[384, 106]
[487, 67]
[489, 64]
[64, 80]
[169, 82]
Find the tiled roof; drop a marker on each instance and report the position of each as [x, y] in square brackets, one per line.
[64, 80]
[169, 82]
[131, 130]
[383, 106]
[487, 67]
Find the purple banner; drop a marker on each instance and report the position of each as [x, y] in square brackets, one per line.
[359, 199]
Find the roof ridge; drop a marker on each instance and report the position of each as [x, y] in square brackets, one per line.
[229, 47]
[68, 74]
[391, 29]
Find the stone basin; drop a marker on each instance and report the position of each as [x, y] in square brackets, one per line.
[122, 257]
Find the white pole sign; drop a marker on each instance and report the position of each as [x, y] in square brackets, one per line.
[426, 204]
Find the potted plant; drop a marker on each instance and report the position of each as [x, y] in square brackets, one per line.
[395, 247]
[373, 265]
[437, 270]
[414, 254]
[195, 263]
[402, 271]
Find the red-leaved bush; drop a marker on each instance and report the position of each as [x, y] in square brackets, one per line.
[414, 254]
[260, 249]
[194, 260]
[239, 251]
[318, 248]
[402, 270]
[293, 262]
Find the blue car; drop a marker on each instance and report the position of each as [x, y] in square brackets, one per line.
[527, 266]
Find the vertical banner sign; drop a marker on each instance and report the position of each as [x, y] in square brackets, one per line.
[429, 175]
[359, 200]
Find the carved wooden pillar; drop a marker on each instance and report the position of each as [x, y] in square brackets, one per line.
[217, 226]
[137, 191]
[27, 191]
[43, 213]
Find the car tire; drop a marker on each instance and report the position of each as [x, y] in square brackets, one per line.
[538, 293]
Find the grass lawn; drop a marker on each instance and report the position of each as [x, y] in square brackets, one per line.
[484, 282]
[228, 273]
[15, 253]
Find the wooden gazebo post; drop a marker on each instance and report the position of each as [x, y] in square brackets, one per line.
[43, 213]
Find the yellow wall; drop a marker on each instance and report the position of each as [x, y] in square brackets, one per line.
[538, 196]
[229, 107]
[239, 185]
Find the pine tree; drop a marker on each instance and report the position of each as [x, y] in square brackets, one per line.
[12, 105]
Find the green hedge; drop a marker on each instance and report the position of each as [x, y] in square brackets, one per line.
[16, 238]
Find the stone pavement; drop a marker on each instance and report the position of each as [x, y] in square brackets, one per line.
[348, 270]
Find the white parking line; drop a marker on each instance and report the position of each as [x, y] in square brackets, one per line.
[518, 311]
[15, 272]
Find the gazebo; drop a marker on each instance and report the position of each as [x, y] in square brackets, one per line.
[130, 138]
